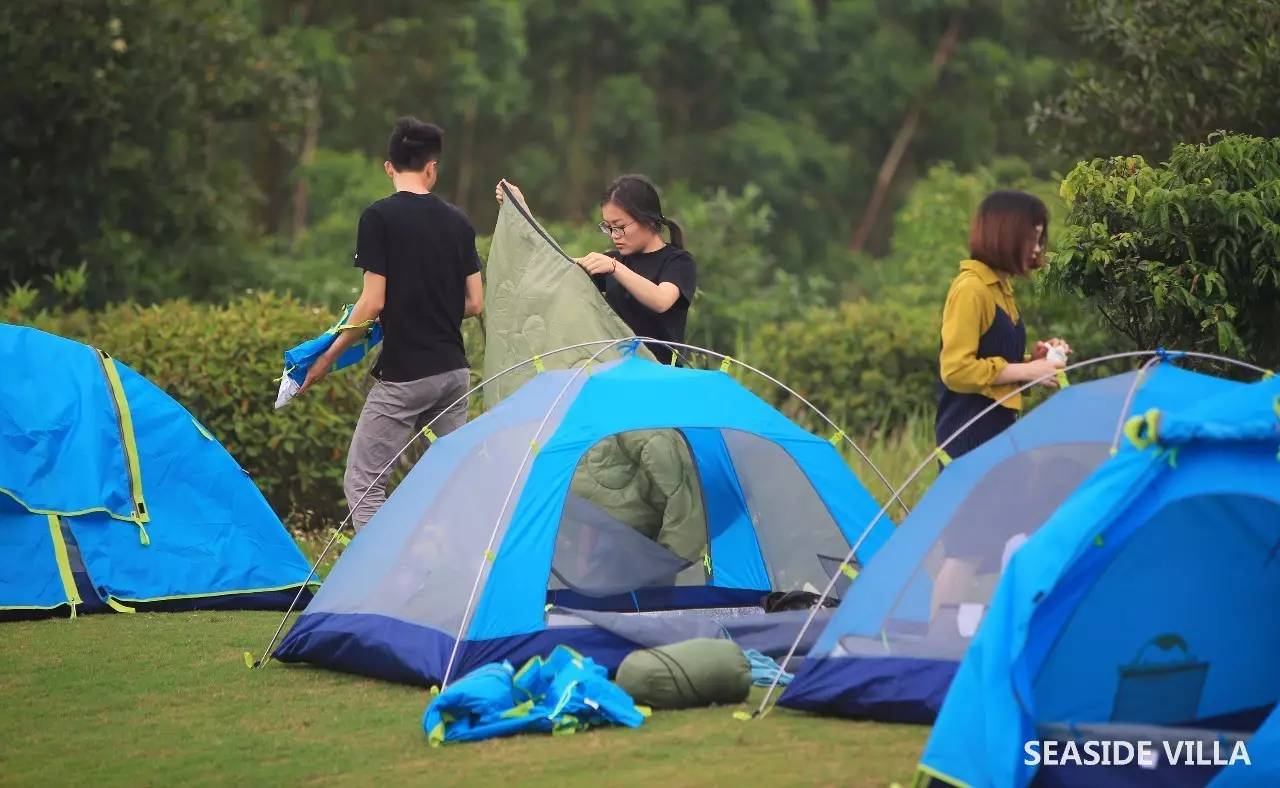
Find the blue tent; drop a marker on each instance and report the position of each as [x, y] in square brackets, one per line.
[112, 495]
[1144, 608]
[483, 554]
[892, 648]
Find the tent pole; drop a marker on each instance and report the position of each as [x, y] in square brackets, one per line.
[826, 592]
[266, 654]
[506, 503]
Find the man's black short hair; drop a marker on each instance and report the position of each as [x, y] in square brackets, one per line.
[413, 144]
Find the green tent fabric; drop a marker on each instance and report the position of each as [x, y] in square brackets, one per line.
[538, 300]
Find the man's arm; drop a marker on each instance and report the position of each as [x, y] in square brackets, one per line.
[475, 296]
[368, 307]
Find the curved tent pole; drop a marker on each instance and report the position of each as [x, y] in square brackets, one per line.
[608, 342]
[1129, 396]
[266, 654]
[894, 494]
[826, 592]
[506, 503]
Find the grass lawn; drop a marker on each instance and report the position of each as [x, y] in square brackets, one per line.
[151, 698]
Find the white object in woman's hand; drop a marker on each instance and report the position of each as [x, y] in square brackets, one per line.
[595, 263]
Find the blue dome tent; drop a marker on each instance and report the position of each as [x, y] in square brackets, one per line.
[483, 553]
[892, 648]
[114, 496]
[1143, 610]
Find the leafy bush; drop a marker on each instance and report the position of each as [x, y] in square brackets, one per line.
[866, 365]
[220, 362]
[1183, 254]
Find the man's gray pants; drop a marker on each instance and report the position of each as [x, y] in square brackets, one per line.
[392, 413]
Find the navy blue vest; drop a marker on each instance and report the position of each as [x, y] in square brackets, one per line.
[1003, 338]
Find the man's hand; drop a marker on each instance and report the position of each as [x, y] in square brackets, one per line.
[317, 372]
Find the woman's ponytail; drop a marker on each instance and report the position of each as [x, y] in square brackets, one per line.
[677, 234]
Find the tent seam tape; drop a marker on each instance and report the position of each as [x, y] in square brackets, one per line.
[127, 438]
[64, 563]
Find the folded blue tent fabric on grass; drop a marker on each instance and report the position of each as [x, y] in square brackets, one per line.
[564, 693]
[299, 358]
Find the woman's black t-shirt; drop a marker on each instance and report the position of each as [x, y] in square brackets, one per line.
[668, 264]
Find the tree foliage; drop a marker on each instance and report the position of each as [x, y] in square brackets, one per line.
[121, 140]
[1184, 254]
[1160, 72]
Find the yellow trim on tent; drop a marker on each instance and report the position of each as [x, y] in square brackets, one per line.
[937, 775]
[119, 608]
[56, 513]
[126, 436]
[216, 593]
[64, 564]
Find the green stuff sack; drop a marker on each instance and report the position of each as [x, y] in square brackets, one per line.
[696, 672]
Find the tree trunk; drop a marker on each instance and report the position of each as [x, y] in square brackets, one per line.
[306, 156]
[906, 133]
[579, 163]
[466, 166]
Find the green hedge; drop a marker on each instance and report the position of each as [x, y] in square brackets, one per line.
[222, 364]
[867, 365]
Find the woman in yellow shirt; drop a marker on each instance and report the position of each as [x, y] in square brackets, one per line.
[984, 341]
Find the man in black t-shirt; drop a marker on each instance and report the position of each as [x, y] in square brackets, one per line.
[421, 278]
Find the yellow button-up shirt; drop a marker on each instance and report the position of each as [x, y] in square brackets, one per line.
[970, 309]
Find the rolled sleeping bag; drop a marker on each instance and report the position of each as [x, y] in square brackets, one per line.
[684, 675]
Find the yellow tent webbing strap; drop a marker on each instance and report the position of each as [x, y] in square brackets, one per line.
[849, 571]
[724, 364]
[836, 438]
[118, 607]
[674, 358]
[1268, 375]
[127, 439]
[538, 365]
[1143, 431]
[354, 326]
[943, 457]
[340, 537]
[1062, 380]
[706, 563]
[429, 435]
[64, 564]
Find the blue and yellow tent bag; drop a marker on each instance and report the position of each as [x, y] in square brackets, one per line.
[299, 358]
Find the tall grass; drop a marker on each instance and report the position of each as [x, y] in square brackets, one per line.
[896, 451]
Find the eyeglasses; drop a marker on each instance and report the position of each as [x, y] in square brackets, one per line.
[614, 232]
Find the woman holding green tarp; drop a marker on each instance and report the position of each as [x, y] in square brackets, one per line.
[646, 478]
[648, 281]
